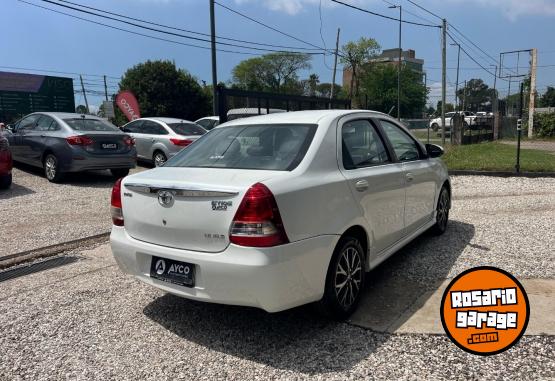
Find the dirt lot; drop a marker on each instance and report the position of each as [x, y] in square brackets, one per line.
[85, 320]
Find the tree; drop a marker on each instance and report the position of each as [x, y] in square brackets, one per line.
[354, 56]
[476, 96]
[324, 90]
[448, 107]
[379, 85]
[81, 109]
[274, 72]
[548, 98]
[163, 90]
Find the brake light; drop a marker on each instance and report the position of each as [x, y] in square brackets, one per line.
[257, 222]
[79, 140]
[116, 206]
[181, 142]
[128, 141]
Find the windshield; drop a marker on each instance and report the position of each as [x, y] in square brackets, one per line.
[83, 124]
[187, 129]
[270, 147]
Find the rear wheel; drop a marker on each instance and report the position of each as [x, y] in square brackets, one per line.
[435, 127]
[119, 173]
[5, 181]
[442, 212]
[159, 158]
[344, 280]
[52, 168]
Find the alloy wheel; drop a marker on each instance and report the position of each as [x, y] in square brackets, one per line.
[443, 209]
[348, 277]
[159, 159]
[50, 167]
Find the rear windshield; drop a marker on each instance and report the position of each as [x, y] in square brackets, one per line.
[83, 124]
[269, 147]
[187, 129]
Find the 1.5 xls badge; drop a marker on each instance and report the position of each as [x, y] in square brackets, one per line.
[485, 310]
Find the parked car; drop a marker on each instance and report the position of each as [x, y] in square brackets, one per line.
[208, 122]
[281, 210]
[435, 124]
[158, 139]
[66, 142]
[247, 112]
[5, 163]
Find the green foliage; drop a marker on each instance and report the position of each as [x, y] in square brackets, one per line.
[275, 72]
[324, 90]
[355, 54]
[163, 90]
[544, 125]
[379, 84]
[548, 98]
[448, 107]
[81, 109]
[477, 96]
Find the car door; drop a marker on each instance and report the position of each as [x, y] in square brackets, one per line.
[135, 129]
[155, 136]
[376, 181]
[24, 136]
[36, 139]
[419, 175]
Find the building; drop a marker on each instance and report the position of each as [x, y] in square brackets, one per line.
[390, 57]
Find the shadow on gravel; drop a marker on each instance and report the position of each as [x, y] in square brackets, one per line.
[299, 339]
[15, 191]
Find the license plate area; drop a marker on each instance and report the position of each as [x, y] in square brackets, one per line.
[109, 146]
[175, 272]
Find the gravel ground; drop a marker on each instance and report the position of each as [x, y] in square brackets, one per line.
[35, 213]
[86, 320]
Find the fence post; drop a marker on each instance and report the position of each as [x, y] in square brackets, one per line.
[457, 130]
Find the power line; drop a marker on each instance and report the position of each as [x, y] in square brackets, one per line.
[321, 36]
[384, 16]
[136, 33]
[167, 32]
[424, 9]
[183, 30]
[409, 12]
[57, 71]
[469, 56]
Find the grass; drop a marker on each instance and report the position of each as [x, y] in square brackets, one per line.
[493, 156]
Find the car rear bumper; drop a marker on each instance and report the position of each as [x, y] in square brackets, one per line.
[6, 163]
[272, 279]
[85, 163]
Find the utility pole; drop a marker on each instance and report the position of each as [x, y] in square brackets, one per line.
[443, 78]
[457, 103]
[400, 60]
[214, 67]
[532, 104]
[105, 88]
[84, 93]
[464, 97]
[495, 104]
[334, 66]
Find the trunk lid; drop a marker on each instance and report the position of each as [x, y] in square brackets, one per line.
[186, 208]
[107, 143]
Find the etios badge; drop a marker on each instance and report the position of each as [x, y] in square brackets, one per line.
[165, 198]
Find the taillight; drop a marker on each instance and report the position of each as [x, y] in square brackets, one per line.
[116, 206]
[181, 142]
[79, 140]
[257, 222]
[128, 141]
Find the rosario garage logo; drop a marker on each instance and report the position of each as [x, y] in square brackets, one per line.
[485, 311]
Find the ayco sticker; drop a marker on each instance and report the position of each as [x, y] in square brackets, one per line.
[485, 311]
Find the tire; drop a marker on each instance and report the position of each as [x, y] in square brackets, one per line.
[119, 173]
[52, 169]
[339, 305]
[442, 212]
[435, 127]
[159, 158]
[5, 181]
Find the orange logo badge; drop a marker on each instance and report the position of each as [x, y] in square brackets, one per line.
[485, 310]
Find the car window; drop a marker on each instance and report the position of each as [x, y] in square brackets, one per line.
[206, 123]
[450, 115]
[153, 128]
[361, 145]
[54, 126]
[88, 124]
[28, 123]
[406, 149]
[187, 129]
[269, 147]
[43, 124]
[134, 127]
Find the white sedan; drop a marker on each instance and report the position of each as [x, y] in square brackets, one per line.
[280, 210]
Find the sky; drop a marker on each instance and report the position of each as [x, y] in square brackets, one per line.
[38, 39]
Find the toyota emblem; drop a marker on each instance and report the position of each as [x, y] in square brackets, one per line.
[165, 198]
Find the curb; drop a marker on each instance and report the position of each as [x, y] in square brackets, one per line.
[52, 250]
[501, 173]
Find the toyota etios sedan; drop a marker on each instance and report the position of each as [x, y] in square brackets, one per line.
[280, 210]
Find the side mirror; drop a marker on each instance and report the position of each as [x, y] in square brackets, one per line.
[434, 150]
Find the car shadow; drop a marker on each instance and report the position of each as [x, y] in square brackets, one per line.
[14, 191]
[276, 339]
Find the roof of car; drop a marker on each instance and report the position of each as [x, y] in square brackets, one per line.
[306, 117]
[209, 118]
[167, 120]
[67, 115]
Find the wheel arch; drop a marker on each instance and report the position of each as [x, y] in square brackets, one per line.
[358, 232]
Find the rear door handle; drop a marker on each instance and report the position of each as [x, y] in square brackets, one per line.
[361, 185]
[409, 177]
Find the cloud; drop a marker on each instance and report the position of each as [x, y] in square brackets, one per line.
[512, 9]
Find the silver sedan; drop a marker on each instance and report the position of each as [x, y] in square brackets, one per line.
[159, 139]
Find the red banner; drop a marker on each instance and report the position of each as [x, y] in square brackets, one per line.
[128, 104]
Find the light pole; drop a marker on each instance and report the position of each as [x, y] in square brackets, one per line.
[494, 105]
[400, 60]
[457, 82]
